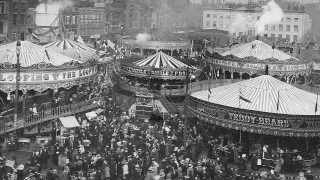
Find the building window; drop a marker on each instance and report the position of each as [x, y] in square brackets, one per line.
[296, 28]
[258, 17]
[207, 23]
[288, 28]
[214, 16]
[288, 37]
[208, 15]
[73, 19]
[1, 28]
[273, 28]
[214, 24]
[266, 27]
[14, 19]
[296, 19]
[273, 36]
[288, 19]
[280, 36]
[2, 7]
[280, 27]
[295, 38]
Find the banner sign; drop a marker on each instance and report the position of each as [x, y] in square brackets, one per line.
[259, 120]
[50, 76]
[262, 66]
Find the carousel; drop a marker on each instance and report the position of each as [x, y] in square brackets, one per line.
[146, 48]
[77, 49]
[159, 72]
[49, 85]
[262, 109]
[254, 58]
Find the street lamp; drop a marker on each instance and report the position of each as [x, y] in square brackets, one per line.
[18, 51]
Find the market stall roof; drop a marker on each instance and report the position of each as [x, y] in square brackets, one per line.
[69, 122]
[262, 94]
[73, 49]
[161, 60]
[31, 54]
[259, 50]
[168, 45]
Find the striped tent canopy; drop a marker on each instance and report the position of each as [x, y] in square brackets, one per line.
[263, 94]
[73, 49]
[161, 60]
[258, 50]
[31, 54]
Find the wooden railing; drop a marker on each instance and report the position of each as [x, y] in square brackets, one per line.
[46, 115]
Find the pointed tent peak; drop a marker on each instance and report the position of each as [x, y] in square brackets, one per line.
[264, 93]
[73, 49]
[161, 60]
[31, 54]
[259, 50]
[80, 40]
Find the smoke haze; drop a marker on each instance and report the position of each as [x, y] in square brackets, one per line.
[239, 24]
[272, 14]
[47, 13]
[143, 37]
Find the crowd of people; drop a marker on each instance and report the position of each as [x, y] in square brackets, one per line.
[114, 146]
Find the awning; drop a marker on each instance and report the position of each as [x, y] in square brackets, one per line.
[91, 115]
[99, 111]
[69, 122]
[24, 140]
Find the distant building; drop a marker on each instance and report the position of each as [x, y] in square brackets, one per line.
[92, 22]
[4, 19]
[71, 20]
[15, 19]
[293, 27]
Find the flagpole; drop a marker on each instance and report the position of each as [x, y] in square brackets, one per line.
[240, 135]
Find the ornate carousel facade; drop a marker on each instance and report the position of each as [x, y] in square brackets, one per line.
[262, 111]
[262, 105]
[50, 85]
[254, 58]
[159, 72]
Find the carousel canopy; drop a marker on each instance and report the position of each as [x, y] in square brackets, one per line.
[161, 60]
[259, 50]
[73, 49]
[263, 94]
[31, 54]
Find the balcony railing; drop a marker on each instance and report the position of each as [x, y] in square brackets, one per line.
[7, 125]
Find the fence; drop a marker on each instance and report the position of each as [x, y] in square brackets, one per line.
[46, 115]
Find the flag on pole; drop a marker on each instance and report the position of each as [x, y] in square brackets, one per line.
[241, 97]
[278, 101]
[316, 107]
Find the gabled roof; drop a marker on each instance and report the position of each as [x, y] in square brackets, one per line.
[263, 92]
[73, 49]
[161, 60]
[259, 50]
[31, 54]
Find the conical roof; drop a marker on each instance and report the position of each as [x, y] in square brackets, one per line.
[259, 50]
[73, 49]
[263, 94]
[161, 60]
[31, 54]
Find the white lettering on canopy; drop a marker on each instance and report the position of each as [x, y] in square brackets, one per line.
[38, 77]
[259, 120]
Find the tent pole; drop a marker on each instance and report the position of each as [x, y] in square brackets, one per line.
[240, 137]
